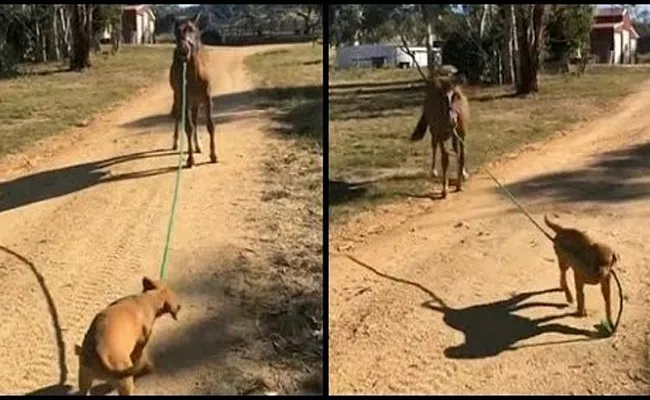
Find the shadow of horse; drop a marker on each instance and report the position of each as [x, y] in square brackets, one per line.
[57, 182]
[492, 328]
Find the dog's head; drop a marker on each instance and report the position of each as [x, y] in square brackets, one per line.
[171, 304]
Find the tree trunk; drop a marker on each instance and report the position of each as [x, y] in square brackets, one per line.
[39, 52]
[51, 35]
[431, 57]
[507, 65]
[64, 32]
[530, 26]
[80, 58]
[516, 69]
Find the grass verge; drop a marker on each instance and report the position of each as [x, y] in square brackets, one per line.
[372, 113]
[284, 276]
[47, 99]
[290, 81]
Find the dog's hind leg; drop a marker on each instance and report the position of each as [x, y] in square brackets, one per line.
[143, 364]
[580, 294]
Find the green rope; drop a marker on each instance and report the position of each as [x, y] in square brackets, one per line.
[163, 266]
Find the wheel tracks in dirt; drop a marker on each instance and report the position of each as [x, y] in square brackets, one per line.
[79, 291]
[119, 266]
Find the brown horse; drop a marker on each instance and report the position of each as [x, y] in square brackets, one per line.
[445, 108]
[198, 89]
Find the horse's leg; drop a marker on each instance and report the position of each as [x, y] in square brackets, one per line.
[189, 128]
[460, 154]
[176, 111]
[444, 155]
[195, 122]
[210, 125]
[462, 151]
[434, 147]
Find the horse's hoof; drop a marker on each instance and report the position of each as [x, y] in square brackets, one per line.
[443, 195]
[198, 150]
[189, 164]
[433, 173]
[459, 188]
[213, 158]
[175, 147]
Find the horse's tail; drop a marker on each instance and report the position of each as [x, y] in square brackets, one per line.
[420, 129]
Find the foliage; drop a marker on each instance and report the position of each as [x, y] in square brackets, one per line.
[568, 29]
[472, 39]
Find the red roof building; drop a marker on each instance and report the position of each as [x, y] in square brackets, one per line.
[613, 37]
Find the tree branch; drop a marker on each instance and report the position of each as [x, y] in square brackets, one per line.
[405, 48]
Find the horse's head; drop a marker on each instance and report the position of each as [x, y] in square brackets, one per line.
[187, 37]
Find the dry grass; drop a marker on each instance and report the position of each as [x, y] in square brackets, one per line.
[372, 113]
[286, 271]
[46, 99]
[291, 82]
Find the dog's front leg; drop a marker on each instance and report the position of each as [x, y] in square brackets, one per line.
[125, 386]
[564, 267]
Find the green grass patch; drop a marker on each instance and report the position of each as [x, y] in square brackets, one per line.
[372, 113]
[46, 99]
[290, 81]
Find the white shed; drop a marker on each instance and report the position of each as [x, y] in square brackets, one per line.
[376, 55]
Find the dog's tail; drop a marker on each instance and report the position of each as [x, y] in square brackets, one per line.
[555, 227]
[420, 129]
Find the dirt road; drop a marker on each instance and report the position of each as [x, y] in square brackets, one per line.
[451, 296]
[83, 216]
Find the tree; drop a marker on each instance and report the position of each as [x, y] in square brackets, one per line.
[310, 16]
[81, 27]
[568, 30]
[345, 23]
[530, 23]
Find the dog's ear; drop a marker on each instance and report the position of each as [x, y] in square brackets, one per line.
[149, 284]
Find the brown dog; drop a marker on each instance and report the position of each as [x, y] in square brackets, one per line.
[592, 264]
[114, 347]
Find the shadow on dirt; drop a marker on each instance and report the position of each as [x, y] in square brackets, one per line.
[56, 324]
[257, 320]
[297, 110]
[58, 182]
[341, 192]
[346, 191]
[613, 177]
[493, 328]
[52, 390]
